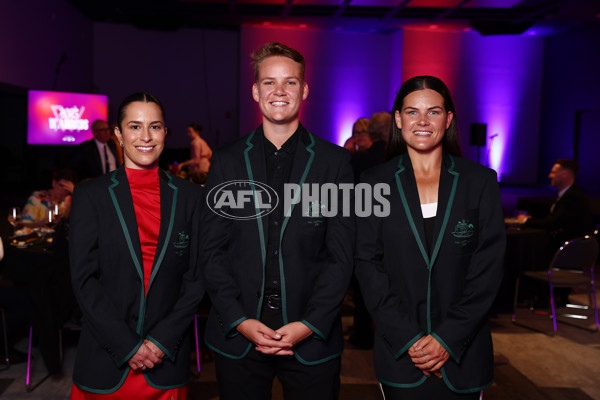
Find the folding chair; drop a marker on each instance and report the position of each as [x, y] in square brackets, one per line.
[572, 266]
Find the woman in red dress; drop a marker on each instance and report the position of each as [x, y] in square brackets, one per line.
[133, 247]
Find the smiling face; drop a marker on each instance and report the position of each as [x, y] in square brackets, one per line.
[279, 90]
[143, 135]
[423, 120]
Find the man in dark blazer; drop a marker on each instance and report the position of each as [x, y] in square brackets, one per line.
[570, 214]
[96, 156]
[276, 273]
[108, 281]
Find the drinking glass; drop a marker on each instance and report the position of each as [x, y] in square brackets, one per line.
[14, 217]
[50, 218]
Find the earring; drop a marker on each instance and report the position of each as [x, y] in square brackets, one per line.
[122, 145]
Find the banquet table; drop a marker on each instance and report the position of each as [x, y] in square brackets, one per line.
[37, 265]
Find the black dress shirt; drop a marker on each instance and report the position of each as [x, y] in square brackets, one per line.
[279, 165]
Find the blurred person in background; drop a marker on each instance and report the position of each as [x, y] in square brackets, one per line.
[360, 128]
[569, 216]
[57, 198]
[200, 151]
[96, 156]
[371, 139]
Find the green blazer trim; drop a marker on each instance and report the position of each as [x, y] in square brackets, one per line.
[411, 222]
[321, 361]
[440, 235]
[216, 350]
[403, 385]
[317, 332]
[407, 345]
[170, 355]
[136, 261]
[286, 220]
[131, 353]
[259, 221]
[463, 391]
[158, 262]
[105, 391]
[232, 326]
[159, 387]
[448, 349]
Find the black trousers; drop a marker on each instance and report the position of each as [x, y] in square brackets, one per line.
[251, 378]
[432, 389]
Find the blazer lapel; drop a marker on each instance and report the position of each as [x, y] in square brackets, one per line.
[446, 194]
[168, 208]
[123, 203]
[302, 163]
[256, 168]
[409, 195]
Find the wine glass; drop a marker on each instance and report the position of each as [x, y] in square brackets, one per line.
[56, 212]
[14, 217]
[50, 217]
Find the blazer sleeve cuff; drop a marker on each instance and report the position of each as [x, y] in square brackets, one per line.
[448, 349]
[316, 331]
[230, 330]
[405, 348]
[131, 353]
[170, 355]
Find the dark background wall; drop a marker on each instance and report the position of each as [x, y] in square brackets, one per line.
[570, 123]
[193, 72]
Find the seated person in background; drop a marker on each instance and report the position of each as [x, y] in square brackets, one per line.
[570, 214]
[200, 152]
[40, 202]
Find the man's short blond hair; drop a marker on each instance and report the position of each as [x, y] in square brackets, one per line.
[276, 49]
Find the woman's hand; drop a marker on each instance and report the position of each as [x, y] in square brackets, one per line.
[292, 334]
[144, 358]
[428, 355]
[154, 349]
[267, 341]
[66, 185]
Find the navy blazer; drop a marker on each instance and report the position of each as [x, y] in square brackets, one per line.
[107, 275]
[446, 291]
[315, 253]
[570, 218]
[86, 160]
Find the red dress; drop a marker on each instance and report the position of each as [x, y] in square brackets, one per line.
[145, 191]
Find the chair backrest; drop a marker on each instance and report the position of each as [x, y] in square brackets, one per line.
[577, 254]
[596, 234]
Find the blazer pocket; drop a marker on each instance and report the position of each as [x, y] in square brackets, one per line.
[462, 232]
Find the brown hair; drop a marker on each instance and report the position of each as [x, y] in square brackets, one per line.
[361, 122]
[276, 49]
[569, 164]
[139, 96]
[450, 142]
